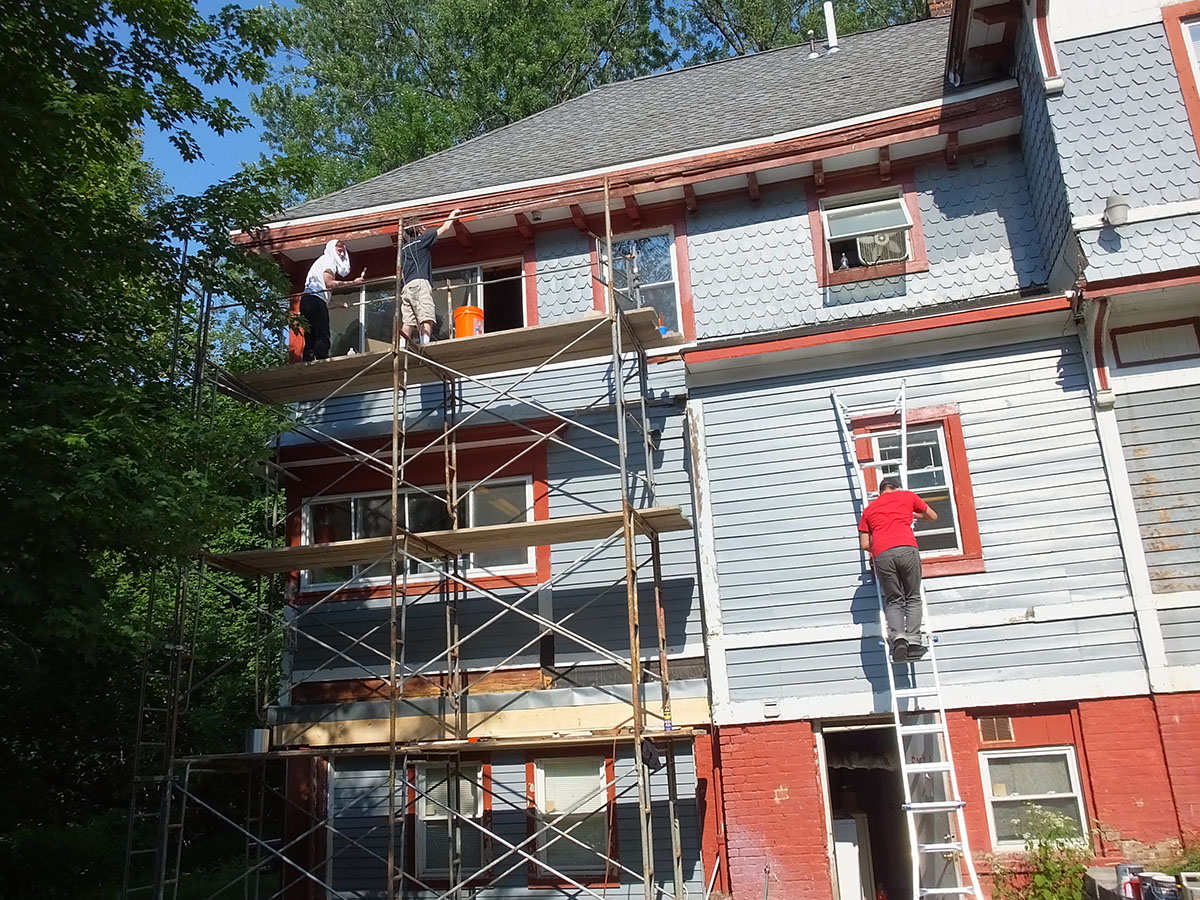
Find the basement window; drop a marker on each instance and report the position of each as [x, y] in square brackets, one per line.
[1044, 778]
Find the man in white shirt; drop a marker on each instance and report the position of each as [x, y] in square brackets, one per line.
[330, 268]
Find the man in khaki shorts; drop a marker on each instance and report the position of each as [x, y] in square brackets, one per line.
[416, 300]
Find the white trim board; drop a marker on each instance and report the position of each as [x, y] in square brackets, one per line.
[999, 692]
[633, 165]
[1070, 19]
[850, 631]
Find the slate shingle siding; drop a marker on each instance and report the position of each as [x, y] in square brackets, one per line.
[1142, 247]
[1121, 121]
[689, 109]
[752, 267]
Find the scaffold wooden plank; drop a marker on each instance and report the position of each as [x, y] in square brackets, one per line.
[486, 354]
[439, 544]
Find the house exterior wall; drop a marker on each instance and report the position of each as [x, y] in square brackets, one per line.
[800, 619]
[359, 804]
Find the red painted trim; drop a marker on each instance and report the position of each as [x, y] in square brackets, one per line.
[1041, 18]
[598, 300]
[529, 266]
[919, 258]
[1135, 284]
[1098, 345]
[1194, 321]
[306, 790]
[1173, 17]
[1085, 779]
[683, 284]
[888, 329]
[970, 560]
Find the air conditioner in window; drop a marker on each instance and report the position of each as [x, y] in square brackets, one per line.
[883, 247]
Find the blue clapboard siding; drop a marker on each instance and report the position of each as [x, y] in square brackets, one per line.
[785, 528]
[1160, 434]
[752, 265]
[1181, 635]
[561, 388]
[579, 485]
[359, 805]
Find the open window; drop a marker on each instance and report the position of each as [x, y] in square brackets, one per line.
[938, 474]
[496, 288]
[434, 802]
[644, 275]
[356, 516]
[573, 794]
[868, 234]
[1044, 778]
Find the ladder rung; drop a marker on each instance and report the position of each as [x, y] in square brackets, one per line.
[932, 806]
[909, 693]
[921, 768]
[934, 728]
[948, 847]
[965, 890]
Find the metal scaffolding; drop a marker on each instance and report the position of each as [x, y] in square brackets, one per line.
[476, 378]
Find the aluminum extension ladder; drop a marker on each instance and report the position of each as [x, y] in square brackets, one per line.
[933, 806]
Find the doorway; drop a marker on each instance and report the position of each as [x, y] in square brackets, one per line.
[866, 801]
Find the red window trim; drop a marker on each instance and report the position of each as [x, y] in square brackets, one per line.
[484, 875]
[655, 219]
[919, 261]
[538, 878]
[1173, 21]
[971, 559]
[473, 464]
[1114, 333]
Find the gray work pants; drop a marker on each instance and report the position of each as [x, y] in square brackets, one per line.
[899, 574]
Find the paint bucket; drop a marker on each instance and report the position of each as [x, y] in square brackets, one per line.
[1128, 885]
[1157, 886]
[468, 321]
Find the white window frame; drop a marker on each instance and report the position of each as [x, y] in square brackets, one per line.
[939, 428]
[602, 262]
[442, 816]
[853, 201]
[539, 799]
[1067, 752]
[530, 565]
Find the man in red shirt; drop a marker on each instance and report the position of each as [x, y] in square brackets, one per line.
[885, 529]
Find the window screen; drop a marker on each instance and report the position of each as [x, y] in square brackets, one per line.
[577, 784]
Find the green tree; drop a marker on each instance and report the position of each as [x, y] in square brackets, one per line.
[706, 30]
[381, 83]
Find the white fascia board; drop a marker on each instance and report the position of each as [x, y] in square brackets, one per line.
[1070, 19]
[997, 692]
[1178, 600]
[1138, 214]
[992, 618]
[457, 196]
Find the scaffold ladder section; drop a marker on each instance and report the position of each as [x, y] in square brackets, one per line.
[933, 806]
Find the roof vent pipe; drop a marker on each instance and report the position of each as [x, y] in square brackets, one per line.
[830, 28]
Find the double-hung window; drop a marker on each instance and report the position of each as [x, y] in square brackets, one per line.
[433, 807]
[572, 795]
[929, 477]
[644, 275]
[1045, 778]
[866, 230]
[357, 516]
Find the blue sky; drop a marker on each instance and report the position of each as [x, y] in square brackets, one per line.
[222, 155]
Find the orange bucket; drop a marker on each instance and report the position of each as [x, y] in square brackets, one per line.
[468, 321]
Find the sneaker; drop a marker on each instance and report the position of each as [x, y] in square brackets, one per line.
[425, 340]
[900, 650]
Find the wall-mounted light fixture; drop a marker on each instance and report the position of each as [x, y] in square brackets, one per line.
[1116, 210]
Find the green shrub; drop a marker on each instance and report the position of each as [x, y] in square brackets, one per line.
[1052, 865]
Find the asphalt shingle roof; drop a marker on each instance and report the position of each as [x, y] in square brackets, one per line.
[738, 99]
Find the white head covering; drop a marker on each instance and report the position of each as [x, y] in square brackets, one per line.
[329, 261]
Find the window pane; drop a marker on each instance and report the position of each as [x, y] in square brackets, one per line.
[329, 521]
[652, 259]
[942, 534]
[1012, 816]
[1018, 775]
[500, 504]
[866, 218]
[427, 513]
[574, 783]
[435, 818]
[571, 780]
[643, 276]
[1194, 35]
[436, 785]
[567, 856]
[374, 516]
[345, 332]
[381, 307]
[662, 299]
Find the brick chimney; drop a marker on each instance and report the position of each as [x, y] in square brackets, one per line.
[940, 7]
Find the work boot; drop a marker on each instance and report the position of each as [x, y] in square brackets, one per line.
[916, 651]
[899, 650]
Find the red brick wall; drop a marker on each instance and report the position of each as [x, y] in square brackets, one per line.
[940, 7]
[1179, 721]
[1128, 773]
[774, 812]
